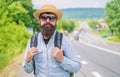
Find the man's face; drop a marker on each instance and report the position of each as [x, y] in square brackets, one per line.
[47, 24]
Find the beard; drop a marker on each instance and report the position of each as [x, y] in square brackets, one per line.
[47, 29]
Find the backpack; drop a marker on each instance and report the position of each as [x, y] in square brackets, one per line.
[57, 43]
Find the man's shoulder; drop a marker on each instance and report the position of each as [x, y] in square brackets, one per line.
[66, 38]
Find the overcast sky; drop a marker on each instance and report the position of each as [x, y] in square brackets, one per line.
[72, 3]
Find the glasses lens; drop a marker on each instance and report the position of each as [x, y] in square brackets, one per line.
[44, 18]
[52, 18]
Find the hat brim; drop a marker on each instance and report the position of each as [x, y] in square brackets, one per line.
[57, 12]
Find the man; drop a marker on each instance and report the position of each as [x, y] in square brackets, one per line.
[49, 60]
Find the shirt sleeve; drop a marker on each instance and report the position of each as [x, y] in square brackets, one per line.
[28, 67]
[71, 61]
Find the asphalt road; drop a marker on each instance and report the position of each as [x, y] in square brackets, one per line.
[97, 63]
[98, 58]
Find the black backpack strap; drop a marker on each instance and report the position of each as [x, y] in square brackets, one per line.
[34, 43]
[58, 39]
[58, 43]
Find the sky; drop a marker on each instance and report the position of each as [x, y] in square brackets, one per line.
[61, 4]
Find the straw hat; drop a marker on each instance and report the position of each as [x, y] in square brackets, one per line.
[48, 8]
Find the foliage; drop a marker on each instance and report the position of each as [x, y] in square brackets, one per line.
[27, 4]
[103, 32]
[67, 25]
[18, 10]
[113, 16]
[13, 12]
[13, 33]
[13, 39]
[93, 23]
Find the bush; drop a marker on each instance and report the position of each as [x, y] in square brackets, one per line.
[67, 25]
[93, 23]
[13, 39]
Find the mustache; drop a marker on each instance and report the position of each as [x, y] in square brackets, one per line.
[48, 24]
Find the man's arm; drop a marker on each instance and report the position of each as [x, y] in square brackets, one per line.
[71, 61]
[28, 59]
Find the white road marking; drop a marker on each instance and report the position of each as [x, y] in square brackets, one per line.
[96, 74]
[78, 56]
[104, 49]
[84, 62]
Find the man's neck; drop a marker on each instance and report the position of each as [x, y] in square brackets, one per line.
[46, 40]
[46, 37]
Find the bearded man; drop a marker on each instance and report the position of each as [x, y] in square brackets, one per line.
[49, 60]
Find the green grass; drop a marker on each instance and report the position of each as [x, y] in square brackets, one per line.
[109, 38]
[113, 39]
[101, 33]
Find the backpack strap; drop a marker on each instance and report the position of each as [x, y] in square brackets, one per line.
[58, 39]
[34, 43]
[58, 43]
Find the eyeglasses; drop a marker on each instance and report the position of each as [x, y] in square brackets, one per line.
[51, 18]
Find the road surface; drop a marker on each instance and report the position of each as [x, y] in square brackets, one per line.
[98, 58]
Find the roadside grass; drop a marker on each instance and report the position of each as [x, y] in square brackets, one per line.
[13, 66]
[101, 33]
[6, 57]
[113, 39]
[105, 36]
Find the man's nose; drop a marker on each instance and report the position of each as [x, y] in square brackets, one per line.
[48, 20]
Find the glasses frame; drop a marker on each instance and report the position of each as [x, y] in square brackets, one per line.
[45, 18]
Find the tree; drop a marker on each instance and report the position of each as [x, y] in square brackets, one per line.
[113, 16]
[27, 4]
[18, 10]
[13, 33]
[13, 12]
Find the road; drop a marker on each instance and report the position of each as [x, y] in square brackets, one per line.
[97, 61]
[98, 58]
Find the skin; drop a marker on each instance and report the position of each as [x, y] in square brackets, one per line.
[56, 52]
